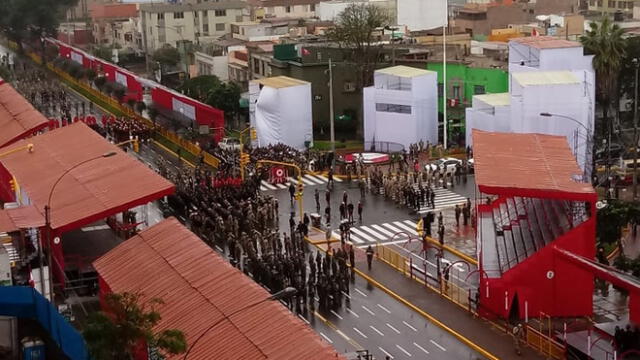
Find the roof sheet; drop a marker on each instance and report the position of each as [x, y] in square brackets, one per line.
[17, 117]
[537, 163]
[546, 42]
[499, 99]
[404, 71]
[20, 218]
[89, 192]
[279, 82]
[199, 288]
[536, 78]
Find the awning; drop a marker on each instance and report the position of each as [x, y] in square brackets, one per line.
[200, 289]
[18, 118]
[24, 217]
[530, 165]
[92, 191]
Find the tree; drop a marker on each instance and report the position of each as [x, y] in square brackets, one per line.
[226, 97]
[354, 31]
[30, 19]
[605, 41]
[199, 87]
[167, 55]
[114, 335]
[103, 52]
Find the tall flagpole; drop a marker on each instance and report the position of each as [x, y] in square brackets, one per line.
[444, 72]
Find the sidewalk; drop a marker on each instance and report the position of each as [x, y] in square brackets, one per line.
[442, 312]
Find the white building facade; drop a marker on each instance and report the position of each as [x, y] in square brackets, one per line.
[546, 76]
[401, 106]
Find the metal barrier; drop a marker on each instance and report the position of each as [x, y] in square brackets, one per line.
[457, 294]
[544, 344]
[395, 259]
[383, 147]
[172, 137]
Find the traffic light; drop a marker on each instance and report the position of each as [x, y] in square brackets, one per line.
[12, 182]
[136, 145]
[254, 134]
[244, 159]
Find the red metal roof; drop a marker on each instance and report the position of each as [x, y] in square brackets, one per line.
[199, 288]
[103, 11]
[90, 192]
[23, 217]
[18, 118]
[527, 164]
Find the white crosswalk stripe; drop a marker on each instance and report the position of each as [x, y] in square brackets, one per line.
[307, 180]
[444, 199]
[384, 233]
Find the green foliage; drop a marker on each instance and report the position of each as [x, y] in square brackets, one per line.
[23, 19]
[91, 74]
[140, 106]
[114, 335]
[605, 41]
[611, 220]
[153, 112]
[354, 31]
[226, 97]
[167, 55]
[103, 52]
[100, 82]
[199, 87]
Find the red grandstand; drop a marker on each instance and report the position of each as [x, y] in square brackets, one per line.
[536, 237]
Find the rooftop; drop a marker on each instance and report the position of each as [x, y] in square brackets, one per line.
[209, 5]
[90, 192]
[200, 289]
[532, 165]
[101, 11]
[499, 99]
[18, 118]
[271, 3]
[23, 217]
[546, 42]
[280, 82]
[536, 78]
[404, 71]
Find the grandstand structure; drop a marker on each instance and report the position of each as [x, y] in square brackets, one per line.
[532, 203]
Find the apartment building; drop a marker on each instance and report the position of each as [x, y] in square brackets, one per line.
[116, 25]
[611, 7]
[164, 23]
[262, 9]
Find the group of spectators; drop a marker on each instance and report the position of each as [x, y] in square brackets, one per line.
[627, 339]
[124, 128]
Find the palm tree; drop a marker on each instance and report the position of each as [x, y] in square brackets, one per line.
[605, 41]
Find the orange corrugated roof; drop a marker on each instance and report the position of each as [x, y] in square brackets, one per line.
[530, 163]
[546, 42]
[90, 192]
[199, 288]
[23, 217]
[101, 11]
[18, 118]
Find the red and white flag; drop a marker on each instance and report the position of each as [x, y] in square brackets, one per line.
[305, 52]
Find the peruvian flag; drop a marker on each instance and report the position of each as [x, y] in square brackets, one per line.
[534, 32]
[305, 52]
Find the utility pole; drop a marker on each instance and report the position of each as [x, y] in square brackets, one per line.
[331, 116]
[444, 74]
[635, 132]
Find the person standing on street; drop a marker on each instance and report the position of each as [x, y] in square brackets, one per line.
[517, 333]
[369, 256]
[316, 195]
[292, 191]
[458, 212]
[352, 256]
[360, 208]
[350, 212]
[441, 235]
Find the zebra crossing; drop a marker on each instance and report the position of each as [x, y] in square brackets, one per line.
[444, 199]
[307, 180]
[392, 232]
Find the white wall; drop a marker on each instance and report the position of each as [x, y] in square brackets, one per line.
[422, 14]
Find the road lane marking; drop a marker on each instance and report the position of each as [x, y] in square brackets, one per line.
[267, 185]
[403, 350]
[385, 352]
[281, 186]
[438, 345]
[352, 313]
[219, 248]
[393, 228]
[313, 179]
[343, 334]
[367, 310]
[421, 348]
[368, 229]
[363, 234]
[336, 314]
[394, 329]
[383, 230]
[360, 292]
[376, 330]
[345, 294]
[360, 332]
[409, 326]
[326, 337]
[384, 308]
[405, 227]
[303, 319]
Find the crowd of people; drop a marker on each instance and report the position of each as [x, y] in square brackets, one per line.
[627, 339]
[123, 128]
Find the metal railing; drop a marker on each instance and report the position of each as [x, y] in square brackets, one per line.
[383, 147]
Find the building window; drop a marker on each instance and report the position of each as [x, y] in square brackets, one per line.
[220, 27]
[256, 66]
[478, 89]
[312, 7]
[239, 18]
[222, 12]
[287, 9]
[349, 86]
[205, 29]
[456, 92]
[394, 108]
[319, 55]
[205, 15]
[178, 15]
[160, 16]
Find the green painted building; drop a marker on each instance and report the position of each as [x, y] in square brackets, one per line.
[464, 81]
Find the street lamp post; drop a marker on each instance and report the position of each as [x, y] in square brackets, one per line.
[635, 131]
[282, 294]
[47, 221]
[589, 139]
[331, 114]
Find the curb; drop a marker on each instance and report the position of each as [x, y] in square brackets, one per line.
[172, 153]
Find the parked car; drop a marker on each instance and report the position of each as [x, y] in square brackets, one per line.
[445, 164]
[230, 144]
